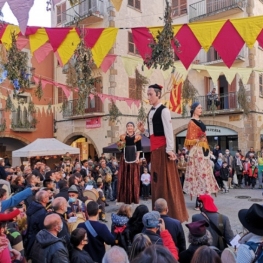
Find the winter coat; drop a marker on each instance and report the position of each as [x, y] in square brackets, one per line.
[186, 256]
[80, 256]
[224, 173]
[49, 249]
[36, 214]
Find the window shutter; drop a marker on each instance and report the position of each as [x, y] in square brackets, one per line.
[138, 4]
[132, 88]
[63, 12]
[130, 2]
[261, 84]
[58, 14]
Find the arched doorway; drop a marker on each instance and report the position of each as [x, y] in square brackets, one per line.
[84, 143]
[8, 144]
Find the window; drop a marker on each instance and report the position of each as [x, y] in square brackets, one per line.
[135, 3]
[261, 85]
[179, 7]
[132, 48]
[61, 95]
[134, 92]
[212, 55]
[2, 116]
[61, 13]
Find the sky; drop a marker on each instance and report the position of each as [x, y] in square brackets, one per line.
[38, 16]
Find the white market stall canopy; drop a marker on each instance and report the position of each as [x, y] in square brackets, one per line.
[45, 147]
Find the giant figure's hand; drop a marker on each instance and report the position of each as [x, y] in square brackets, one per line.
[140, 126]
[172, 156]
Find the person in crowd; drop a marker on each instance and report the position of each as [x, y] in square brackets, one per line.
[212, 99]
[135, 224]
[246, 168]
[153, 224]
[106, 174]
[48, 247]
[67, 157]
[144, 165]
[113, 165]
[3, 174]
[198, 236]
[18, 170]
[206, 254]
[115, 255]
[251, 219]
[36, 214]
[238, 169]
[224, 175]
[18, 184]
[48, 184]
[120, 219]
[219, 224]
[84, 169]
[216, 151]
[155, 254]
[75, 205]
[163, 169]
[253, 174]
[199, 178]
[68, 167]
[140, 242]
[103, 157]
[63, 189]
[102, 202]
[217, 168]
[227, 157]
[251, 150]
[39, 170]
[146, 184]
[181, 166]
[98, 233]
[27, 171]
[60, 206]
[79, 239]
[173, 225]
[96, 172]
[260, 170]
[76, 180]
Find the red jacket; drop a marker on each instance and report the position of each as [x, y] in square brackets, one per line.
[253, 173]
[169, 243]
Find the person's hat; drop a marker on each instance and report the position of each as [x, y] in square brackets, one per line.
[73, 189]
[198, 228]
[208, 203]
[251, 219]
[156, 86]
[151, 219]
[99, 180]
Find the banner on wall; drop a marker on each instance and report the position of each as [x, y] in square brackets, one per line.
[93, 123]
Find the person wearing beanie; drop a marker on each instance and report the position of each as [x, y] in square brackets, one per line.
[165, 181]
[199, 177]
[217, 222]
[153, 223]
[197, 237]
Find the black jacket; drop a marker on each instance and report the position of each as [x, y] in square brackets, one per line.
[3, 174]
[154, 237]
[186, 256]
[80, 256]
[63, 193]
[49, 249]
[175, 228]
[36, 214]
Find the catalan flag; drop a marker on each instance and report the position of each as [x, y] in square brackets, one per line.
[175, 96]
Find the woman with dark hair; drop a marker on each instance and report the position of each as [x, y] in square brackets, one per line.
[199, 177]
[140, 242]
[205, 254]
[155, 254]
[96, 172]
[129, 172]
[79, 239]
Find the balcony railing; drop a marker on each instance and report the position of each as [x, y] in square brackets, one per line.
[85, 9]
[206, 8]
[226, 101]
[93, 105]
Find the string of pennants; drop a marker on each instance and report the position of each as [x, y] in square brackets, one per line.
[226, 36]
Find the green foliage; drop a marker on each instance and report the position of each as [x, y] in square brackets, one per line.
[25, 125]
[3, 126]
[9, 104]
[31, 107]
[242, 99]
[16, 65]
[39, 90]
[114, 113]
[162, 50]
[142, 115]
[73, 2]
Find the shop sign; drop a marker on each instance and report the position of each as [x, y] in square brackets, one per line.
[93, 123]
[235, 117]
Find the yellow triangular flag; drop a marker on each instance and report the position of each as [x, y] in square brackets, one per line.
[244, 74]
[206, 32]
[117, 4]
[6, 38]
[104, 44]
[248, 28]
[38, 39]
[229, 74]
[154, 30]
[214, 73]
[130, 64]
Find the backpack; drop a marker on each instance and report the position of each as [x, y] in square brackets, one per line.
[258, 250]
[123, 238]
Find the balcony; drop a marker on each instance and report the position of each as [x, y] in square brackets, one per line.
[215, 9]
[213, 58]
[86, 12]
[225, 104]
[93, 107]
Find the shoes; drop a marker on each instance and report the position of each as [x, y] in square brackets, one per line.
[106, 204]
[197, 208]
[112, 200]
[103, 220]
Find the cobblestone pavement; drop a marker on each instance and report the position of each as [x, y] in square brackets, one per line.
[228, 204]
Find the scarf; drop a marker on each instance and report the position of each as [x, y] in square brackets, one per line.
[239, 162]
[3, 243]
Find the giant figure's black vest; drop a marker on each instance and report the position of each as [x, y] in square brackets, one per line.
[158, 129]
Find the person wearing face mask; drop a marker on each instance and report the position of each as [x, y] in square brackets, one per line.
[75, 205]
[238, 169]
[217, 167]
[228, 158]
[48, 247]
[113, 165]
[60, 206]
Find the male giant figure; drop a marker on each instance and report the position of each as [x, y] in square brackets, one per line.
[165, 179]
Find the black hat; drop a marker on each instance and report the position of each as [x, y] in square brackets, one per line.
[252, 218]
[197, 228]
[193, 107]
[156, 86]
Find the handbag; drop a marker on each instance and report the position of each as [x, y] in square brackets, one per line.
[235, 178]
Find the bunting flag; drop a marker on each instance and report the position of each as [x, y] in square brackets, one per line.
[38, 39]
[91, 36]
[42, 52]
[21, 42]
[107, 62]
[56, 36]
[117, 4]
[6, 37]
[176, 96]
[260, 38]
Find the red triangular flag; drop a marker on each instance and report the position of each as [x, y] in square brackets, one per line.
[260, 38]
[91, 36]
[2, 31]
[31, 30]
[57, 35]
[189, 46]
[228, 50]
